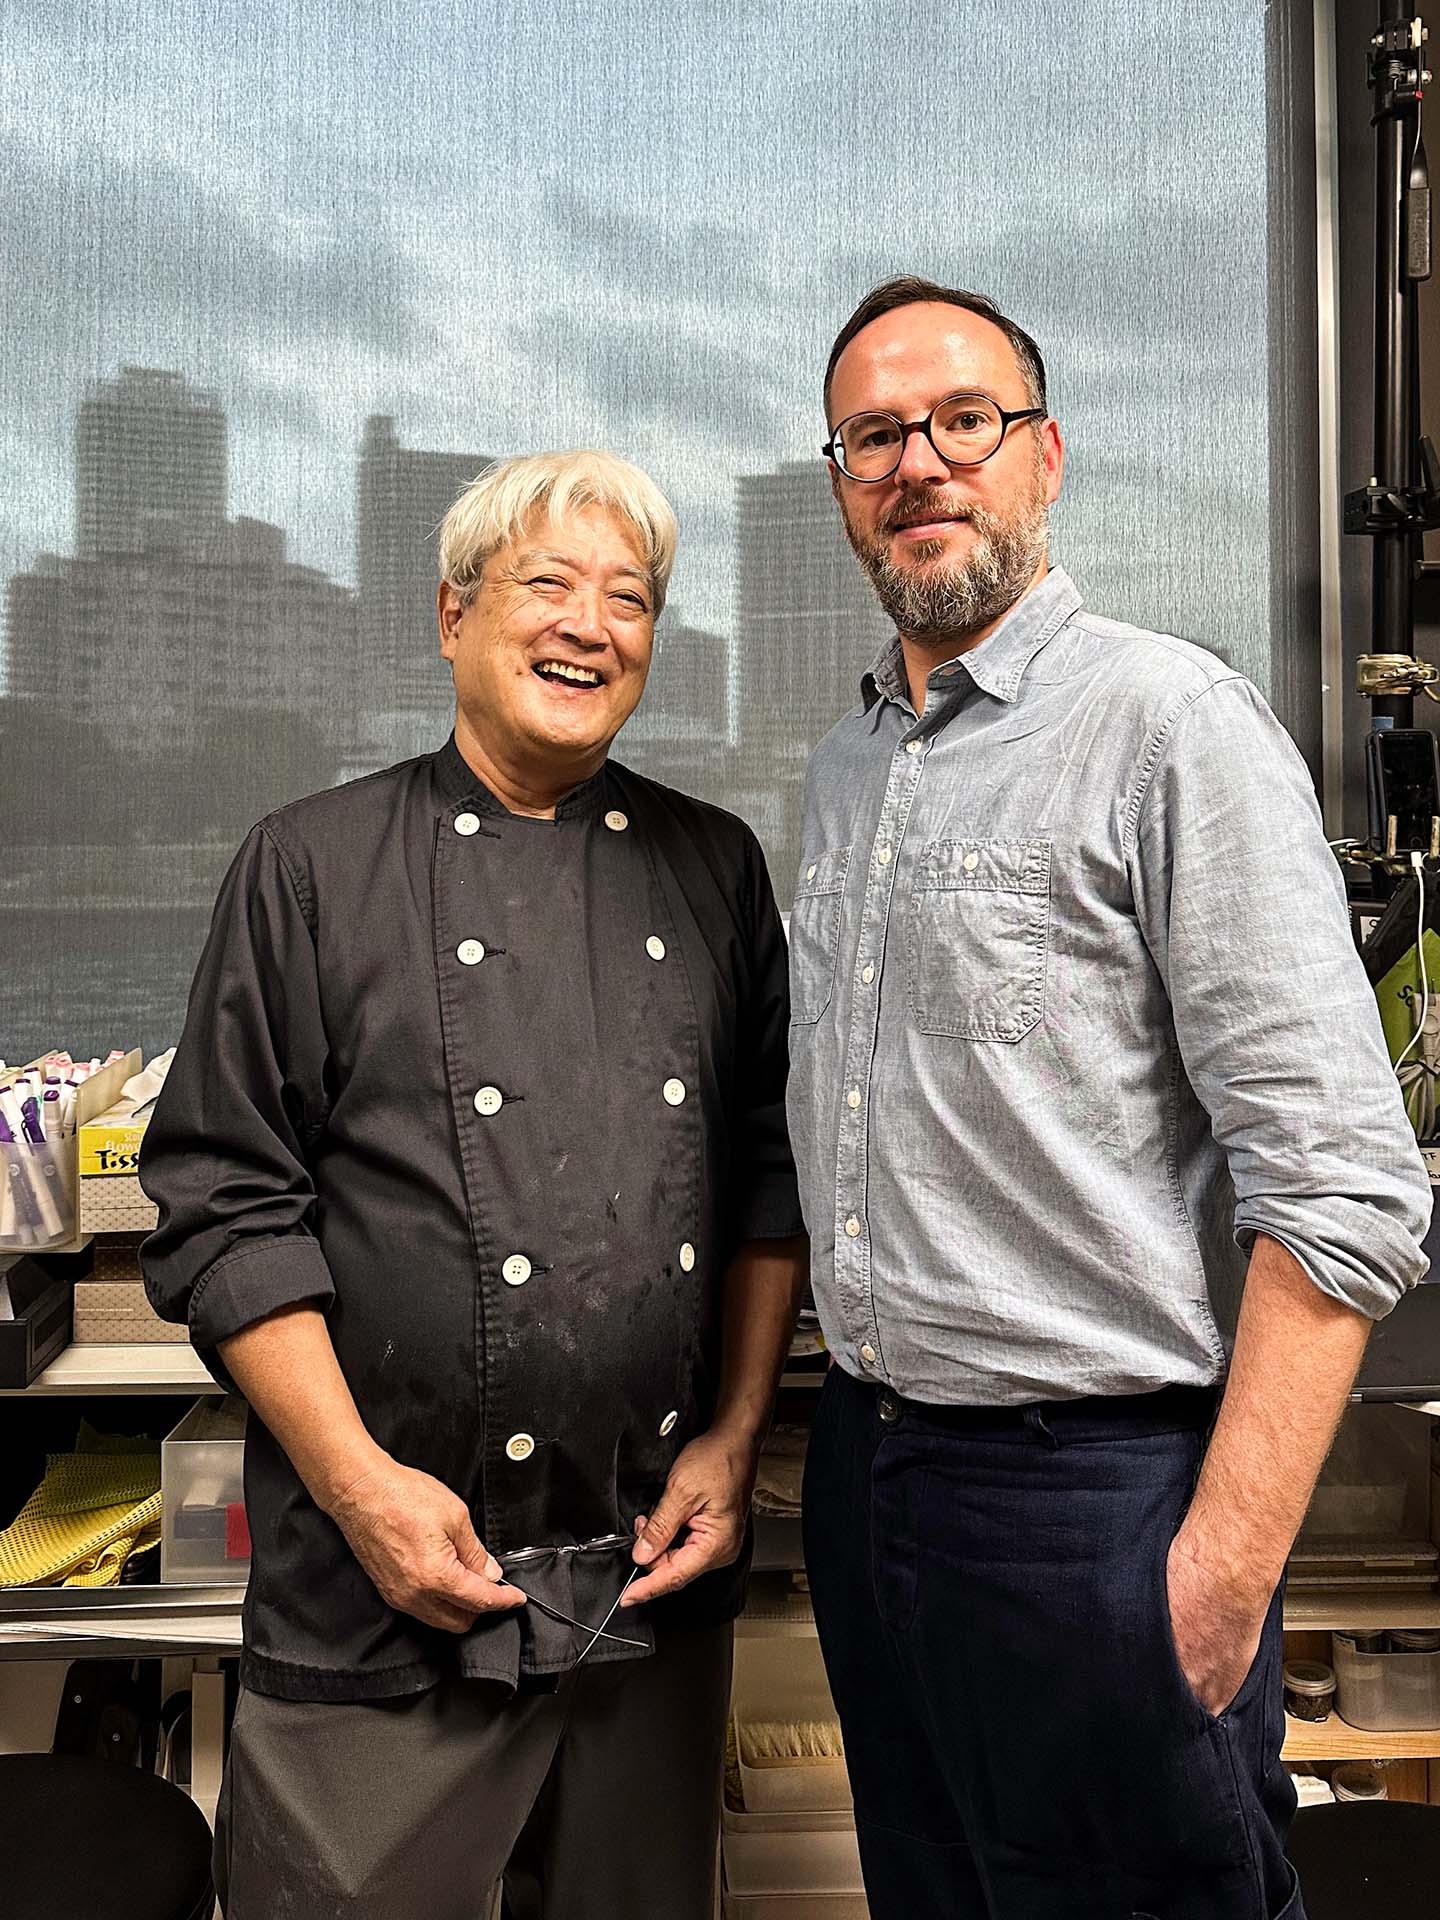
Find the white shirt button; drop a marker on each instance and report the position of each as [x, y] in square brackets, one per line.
[687, 1257]
[913, 746]
[674, 1091]
[867, 974]
[970, 862]
[867, 1354]
[489, 1100]
[617, 821]
[852, 1227]
[810, 872]
[520, 1446]
[852, 1098]
[516, 1270]
[655, 947]
[470, 953]
[668, 1423]
[467, 823]
[883, 856]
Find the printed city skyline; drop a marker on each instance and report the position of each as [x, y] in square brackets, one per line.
[554, 224]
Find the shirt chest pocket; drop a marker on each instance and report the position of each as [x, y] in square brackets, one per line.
[979, 932]
[815, 932]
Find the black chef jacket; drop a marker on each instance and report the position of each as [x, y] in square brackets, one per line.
[502, 1096]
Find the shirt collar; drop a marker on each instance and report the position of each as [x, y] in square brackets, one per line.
[998, 664]
[458, 780]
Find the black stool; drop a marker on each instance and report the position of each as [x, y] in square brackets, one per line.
[1367, 1860]
[92, 1838]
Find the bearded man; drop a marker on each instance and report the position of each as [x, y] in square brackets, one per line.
[1077, 1031]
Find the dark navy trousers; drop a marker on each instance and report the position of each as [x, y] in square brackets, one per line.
[990, 1591]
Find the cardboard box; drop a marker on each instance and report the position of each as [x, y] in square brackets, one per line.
[97, 1093]
[118, 1310]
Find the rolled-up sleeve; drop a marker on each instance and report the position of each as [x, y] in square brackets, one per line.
[224, 1155]
[766, 1201]
[1243, 907]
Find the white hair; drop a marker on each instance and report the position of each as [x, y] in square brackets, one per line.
[497, 506]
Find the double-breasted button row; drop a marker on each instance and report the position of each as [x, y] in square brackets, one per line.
[520, 1446]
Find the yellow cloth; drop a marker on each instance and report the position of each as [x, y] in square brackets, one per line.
[94, 1508]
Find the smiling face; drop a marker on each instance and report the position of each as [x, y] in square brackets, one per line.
[948, 549]
[551, 651]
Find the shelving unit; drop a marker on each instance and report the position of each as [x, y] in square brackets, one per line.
[140, 1368]
[191, 1643]
[1334, 1739]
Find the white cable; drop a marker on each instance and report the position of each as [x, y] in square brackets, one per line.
[1418, 1078]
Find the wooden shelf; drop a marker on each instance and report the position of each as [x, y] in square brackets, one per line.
[1333, 1739]
[163, 1367]
[1340, 1608]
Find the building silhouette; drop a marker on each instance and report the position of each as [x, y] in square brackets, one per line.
[150, 458]
[169, 613]
[807, 624]
[401, 496]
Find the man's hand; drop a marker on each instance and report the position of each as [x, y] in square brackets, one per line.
[708, 1492]
[413, 1537]
[1216, 1618]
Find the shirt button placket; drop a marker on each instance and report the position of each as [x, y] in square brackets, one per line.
[852, 1245]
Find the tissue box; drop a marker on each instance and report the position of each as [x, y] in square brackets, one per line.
[111, 1198]
[118, 1310]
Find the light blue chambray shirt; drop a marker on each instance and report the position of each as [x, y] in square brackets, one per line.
[1076, 1012]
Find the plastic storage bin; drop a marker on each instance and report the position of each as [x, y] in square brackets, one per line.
[204, 1540]
[1386, 1692]
[783, 1679]
[790, 1853]
[37, 1195]
[795, 1906]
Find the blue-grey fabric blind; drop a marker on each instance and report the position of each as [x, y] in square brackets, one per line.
[279, 278]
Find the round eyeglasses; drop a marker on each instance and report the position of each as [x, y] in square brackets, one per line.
[963, 428]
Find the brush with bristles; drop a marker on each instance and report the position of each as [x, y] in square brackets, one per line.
[789, 1743]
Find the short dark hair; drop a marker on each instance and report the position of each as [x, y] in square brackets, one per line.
[911, 289]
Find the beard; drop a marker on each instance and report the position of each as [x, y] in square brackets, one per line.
[951, 603]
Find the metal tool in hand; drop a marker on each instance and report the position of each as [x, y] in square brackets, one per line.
[608, 1542]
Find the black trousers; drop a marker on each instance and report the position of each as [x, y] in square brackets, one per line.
[1023, 1744]
[599, 1801]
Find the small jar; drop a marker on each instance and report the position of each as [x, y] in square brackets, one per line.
[1414, 1640]
[1358, 1780]
[1309, 1689]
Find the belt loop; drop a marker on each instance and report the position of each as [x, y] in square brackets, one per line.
[1034, 1418]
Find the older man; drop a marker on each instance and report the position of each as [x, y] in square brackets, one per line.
[1078, 1023]
[473, 1178]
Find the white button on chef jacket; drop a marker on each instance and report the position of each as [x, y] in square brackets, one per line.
[467, 823]
[617, 821]
[674, 1091]
[520, 1446]
[470, 953]
[489, 1100]
[655, 947]
[867, 1354]
[668, 1423]
[852, 1227]
[517, 1270]
[687, 1257]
